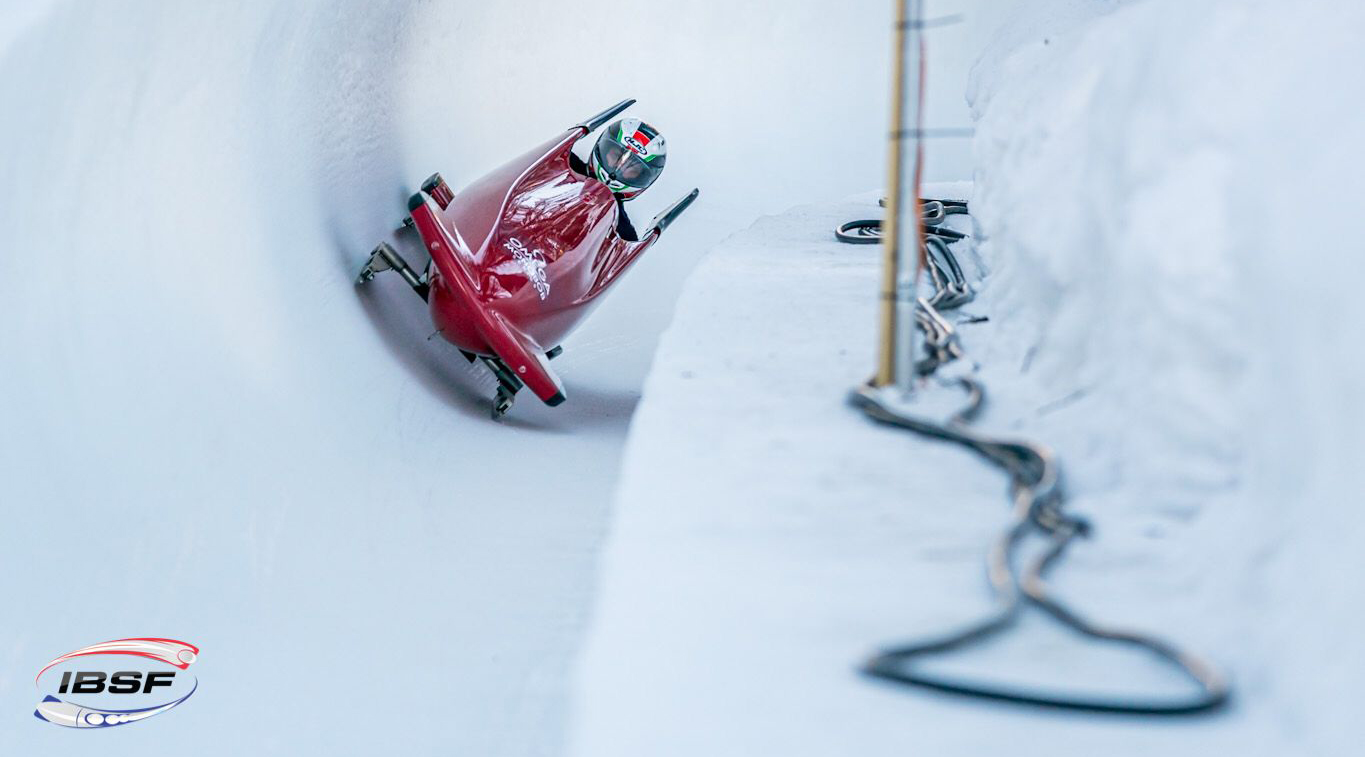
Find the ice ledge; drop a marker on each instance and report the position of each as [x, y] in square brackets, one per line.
[760, 545]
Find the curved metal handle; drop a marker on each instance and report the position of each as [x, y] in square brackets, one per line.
[592, 124]
[666, 218]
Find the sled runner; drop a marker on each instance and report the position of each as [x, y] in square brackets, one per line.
[519, 258]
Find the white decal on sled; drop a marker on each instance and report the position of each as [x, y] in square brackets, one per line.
[533, 263]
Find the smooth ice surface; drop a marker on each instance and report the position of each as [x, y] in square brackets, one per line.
[1166, 197]
[207, 433]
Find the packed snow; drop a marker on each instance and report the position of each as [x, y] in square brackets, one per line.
[209, 434]
[1167, 191]
[1163, 200]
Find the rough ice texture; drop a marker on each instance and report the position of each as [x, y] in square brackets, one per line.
[1166, 197]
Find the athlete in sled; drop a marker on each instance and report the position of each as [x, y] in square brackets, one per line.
[521, 256]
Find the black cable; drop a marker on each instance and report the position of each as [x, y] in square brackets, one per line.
[1035, 482]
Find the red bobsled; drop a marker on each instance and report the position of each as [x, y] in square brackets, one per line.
[519, 258]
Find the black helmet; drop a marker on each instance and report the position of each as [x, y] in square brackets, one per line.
[628, 157]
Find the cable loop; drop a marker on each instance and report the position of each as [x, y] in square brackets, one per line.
[1038, 510]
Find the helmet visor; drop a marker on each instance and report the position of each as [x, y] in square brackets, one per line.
[621, 164]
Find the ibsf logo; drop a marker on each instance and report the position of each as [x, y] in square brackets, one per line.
[100, 687]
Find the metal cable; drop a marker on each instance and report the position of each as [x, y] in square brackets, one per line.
[932, 215]
[1038, 501]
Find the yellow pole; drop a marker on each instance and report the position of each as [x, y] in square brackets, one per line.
[886, 351]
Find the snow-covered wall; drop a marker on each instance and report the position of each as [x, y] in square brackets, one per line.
[1169, 192]
[1165, 195]
[207, 433]
[17, 17]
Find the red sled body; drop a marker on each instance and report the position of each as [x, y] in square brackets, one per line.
[519, 258]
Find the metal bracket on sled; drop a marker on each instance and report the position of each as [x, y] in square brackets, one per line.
[508, 386]
[385, 258]
[508, 383]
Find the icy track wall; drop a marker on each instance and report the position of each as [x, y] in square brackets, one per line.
[1170, 192]
[255, 457]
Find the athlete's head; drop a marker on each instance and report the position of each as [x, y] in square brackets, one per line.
[628, 157]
